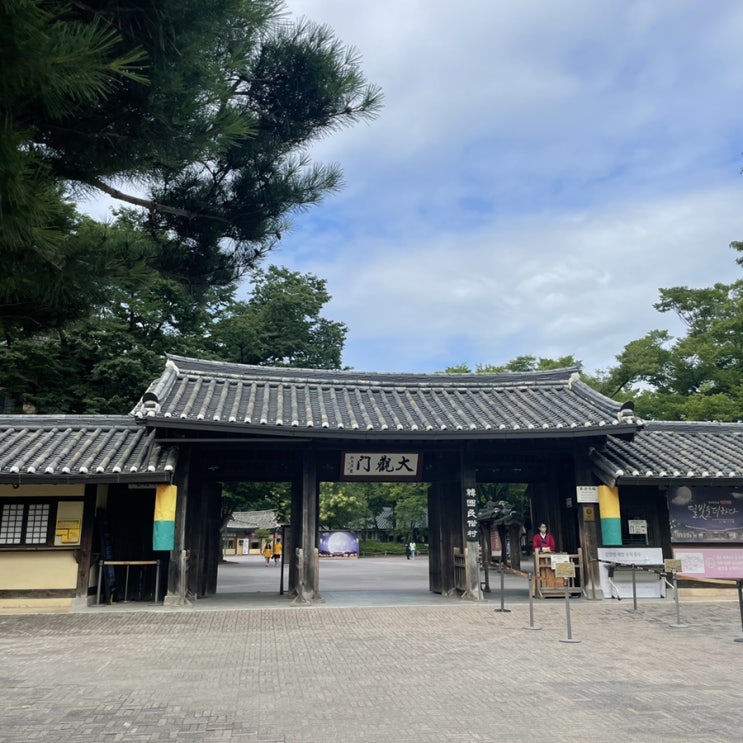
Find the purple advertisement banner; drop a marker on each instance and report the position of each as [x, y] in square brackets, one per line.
[339, 544]
[706, 562]
[705, 514]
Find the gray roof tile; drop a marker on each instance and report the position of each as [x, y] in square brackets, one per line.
[193, 392]
[665, 451]
[73, 448]
[253, 520]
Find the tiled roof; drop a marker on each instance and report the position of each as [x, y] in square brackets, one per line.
[253, 520]
[67, 448]
[211, 394]
[665, 451]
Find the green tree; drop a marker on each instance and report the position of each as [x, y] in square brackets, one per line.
[698, 376]
[206, 108]
[519, 364]
[148, 303]
[257, 496]
[342, 505]
[280, 324]
[410, 509]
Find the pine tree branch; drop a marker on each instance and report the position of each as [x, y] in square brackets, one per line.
[149, 204]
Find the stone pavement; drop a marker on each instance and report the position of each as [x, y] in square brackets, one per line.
[443, 671]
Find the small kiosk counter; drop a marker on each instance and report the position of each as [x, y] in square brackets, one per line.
[546, 582]
[616, 568]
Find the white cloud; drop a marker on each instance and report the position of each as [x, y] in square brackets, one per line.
[538, 173]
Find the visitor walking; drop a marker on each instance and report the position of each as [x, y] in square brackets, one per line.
[268, 552]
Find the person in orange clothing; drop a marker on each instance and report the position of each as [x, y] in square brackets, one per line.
[268, 552]
[277, 547]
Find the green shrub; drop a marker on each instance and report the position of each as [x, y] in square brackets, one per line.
[375, 548]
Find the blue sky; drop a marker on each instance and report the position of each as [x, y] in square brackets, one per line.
[538, 172]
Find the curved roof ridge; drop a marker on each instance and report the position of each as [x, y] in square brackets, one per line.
[74, 420]
[217, 394]
[352, 377]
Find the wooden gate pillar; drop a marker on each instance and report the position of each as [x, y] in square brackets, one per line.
[307, 585]
[588, 531]
[178, 563]
[435, 553]
[470, 528]
[85, 551]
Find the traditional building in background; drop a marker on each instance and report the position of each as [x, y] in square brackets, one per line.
[88, 503]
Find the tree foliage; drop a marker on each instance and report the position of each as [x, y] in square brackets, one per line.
[342, 506]
[200, 114]
[525, 363]
[698, 376]
[147, 303]
[280, 324]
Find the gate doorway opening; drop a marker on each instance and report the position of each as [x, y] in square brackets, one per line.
[363, 541]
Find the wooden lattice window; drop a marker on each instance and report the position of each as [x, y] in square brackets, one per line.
[26, 523]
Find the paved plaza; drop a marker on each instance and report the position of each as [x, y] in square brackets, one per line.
[250, 666]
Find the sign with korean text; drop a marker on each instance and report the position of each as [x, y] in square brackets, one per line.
[472, 531]
[587, 494]
[705, 514]
[707, 562]
[565, 570]
[637, 526]
[68, 528]
[381, 466]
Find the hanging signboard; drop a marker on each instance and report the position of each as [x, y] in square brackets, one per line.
[381, 466]
[68, 528]
[708, 562]
[705, 514]
[587, 493]
[470, 509]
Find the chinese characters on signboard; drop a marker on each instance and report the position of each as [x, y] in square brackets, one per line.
[705, 514]
[470, 509]
[382, 466]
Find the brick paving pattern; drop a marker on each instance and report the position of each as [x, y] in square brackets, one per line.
[457, 671]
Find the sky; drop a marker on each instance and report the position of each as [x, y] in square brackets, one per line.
[538, 172]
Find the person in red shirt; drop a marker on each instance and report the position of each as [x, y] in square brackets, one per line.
[543, 541]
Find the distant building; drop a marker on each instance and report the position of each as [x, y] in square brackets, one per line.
[241, 535]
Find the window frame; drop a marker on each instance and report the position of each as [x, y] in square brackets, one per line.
[26, 504]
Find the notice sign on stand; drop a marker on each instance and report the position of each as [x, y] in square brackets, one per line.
[565, 570]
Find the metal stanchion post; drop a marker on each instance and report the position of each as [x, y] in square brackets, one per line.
[739, 583]
[531, 605]
[679, 623]
[502, 609]
[100, 578]
[634, 587]
[157, 580]
[569, 638]
[126, 586]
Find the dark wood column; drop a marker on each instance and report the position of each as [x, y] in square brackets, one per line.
[588, 533]
[435, 555]
[295, 534]
[451, 531]
[84, 554]
[308, 578]
[211, 493]
[178, 563]
[468, 524]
